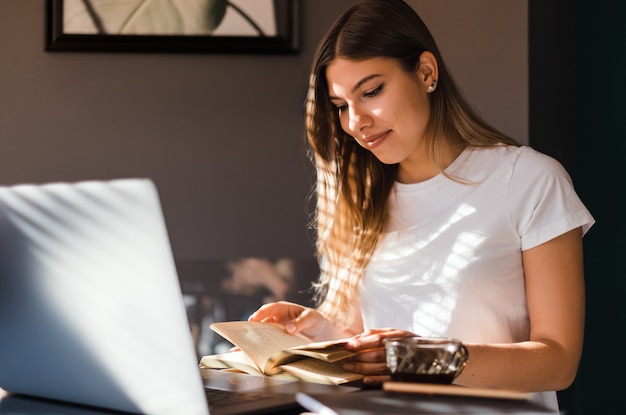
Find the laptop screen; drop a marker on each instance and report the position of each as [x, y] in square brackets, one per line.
[90, 305]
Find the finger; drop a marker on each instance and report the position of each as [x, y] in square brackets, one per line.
[309, 323]
[261, 313]
[280, 312]
[369, 369]
[370, 356]
[374, 338]
[375, 380]
[273, 310]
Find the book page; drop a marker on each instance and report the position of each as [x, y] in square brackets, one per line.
[313, 370]
[329, 351]
[262, 342]
[231, 360]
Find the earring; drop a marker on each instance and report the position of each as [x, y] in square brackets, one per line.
[431, 87]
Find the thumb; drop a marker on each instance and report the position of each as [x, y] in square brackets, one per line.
[310, 323]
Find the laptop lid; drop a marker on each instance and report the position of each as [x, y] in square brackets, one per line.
[90, 304]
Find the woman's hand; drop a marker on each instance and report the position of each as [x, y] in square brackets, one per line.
[296, 319]
[371, 360]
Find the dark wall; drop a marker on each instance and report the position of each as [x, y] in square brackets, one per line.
[221, 135]
[577, 101]
[599, 86]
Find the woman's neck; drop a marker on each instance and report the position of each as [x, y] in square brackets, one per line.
[425, 169]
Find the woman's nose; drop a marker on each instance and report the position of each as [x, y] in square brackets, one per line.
[357, 119]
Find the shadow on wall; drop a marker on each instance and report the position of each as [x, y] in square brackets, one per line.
[226, 290]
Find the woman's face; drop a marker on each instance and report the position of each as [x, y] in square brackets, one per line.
[384, 108]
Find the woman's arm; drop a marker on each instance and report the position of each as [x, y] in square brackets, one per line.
[556, 303]
[548, 361]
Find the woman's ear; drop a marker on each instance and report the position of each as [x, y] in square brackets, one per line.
[428, 71]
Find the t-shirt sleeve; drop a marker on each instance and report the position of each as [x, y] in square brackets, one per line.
[542, 200]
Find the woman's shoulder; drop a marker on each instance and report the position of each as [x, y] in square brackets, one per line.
[531, 161]
[520, 165]
[507, 151]
[523, 158]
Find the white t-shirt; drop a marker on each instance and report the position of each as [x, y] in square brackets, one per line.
[450, 262]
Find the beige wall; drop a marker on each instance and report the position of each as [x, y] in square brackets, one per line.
[221, 135]
[485, 43]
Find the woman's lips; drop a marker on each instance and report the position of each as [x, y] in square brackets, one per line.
[374, 140]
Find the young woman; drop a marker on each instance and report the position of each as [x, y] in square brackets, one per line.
[429, 221]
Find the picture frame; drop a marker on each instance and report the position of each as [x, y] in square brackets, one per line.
[267, 27]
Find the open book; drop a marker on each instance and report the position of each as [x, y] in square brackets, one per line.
[266, 349]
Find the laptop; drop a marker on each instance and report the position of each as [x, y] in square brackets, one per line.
[91, 311]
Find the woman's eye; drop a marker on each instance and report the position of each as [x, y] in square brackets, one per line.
[374, 91]
[341, 107]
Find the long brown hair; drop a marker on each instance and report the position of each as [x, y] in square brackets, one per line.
[353, 186]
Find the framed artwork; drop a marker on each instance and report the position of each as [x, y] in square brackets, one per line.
[173, 26]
